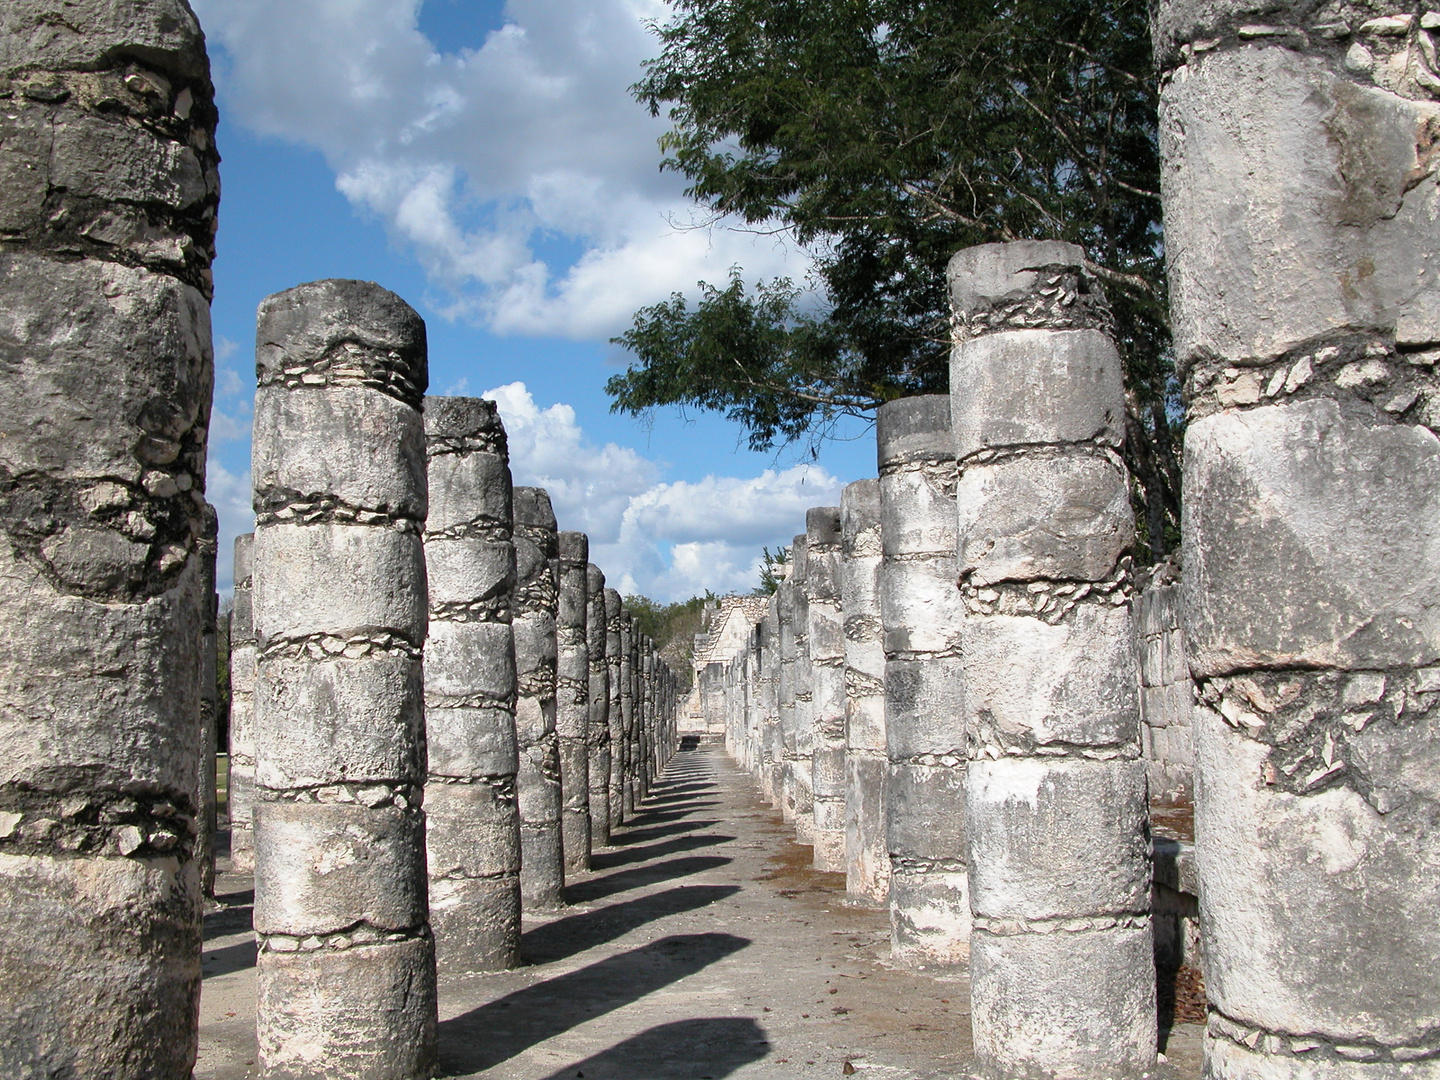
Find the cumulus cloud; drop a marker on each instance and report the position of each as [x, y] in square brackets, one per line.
[476, 160]
[665, 540]
[229, 493]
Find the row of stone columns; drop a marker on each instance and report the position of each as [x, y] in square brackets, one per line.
[436, 743]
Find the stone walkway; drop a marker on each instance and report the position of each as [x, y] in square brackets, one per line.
[701, 946]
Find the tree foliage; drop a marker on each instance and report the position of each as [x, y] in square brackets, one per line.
[672, 627]
[884, 136]
[772, 570]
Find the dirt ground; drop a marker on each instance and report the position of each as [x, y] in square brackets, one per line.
[701, 946]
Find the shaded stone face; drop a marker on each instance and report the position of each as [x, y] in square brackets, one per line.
[1061, 965]
[867, 859]
[825, 637]
[538, 778]
[472, 812]
[341, 897]
[108, 197]
[924, 683]
[572, 699]
[241, 793]
[598, 734]
[1300, 205]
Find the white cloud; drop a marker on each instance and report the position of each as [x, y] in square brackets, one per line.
[474, 159]
[668, 541]
[229, 493]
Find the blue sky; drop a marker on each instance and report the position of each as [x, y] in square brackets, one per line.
[485, 161]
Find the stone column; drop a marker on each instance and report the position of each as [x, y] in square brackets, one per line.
[801, 765]
[1167, 693]
[207, 547]
[542, 875]
[614, 715]
[345, 974]
[772, 737]
[472, 817]
[627, 711]
[785, 617]
[867, 859]
[240, 791]
[924, 684]
[572, 700]
[754, 704]
[826, 638]
[1301, 194]
[645, 752]
[596, 634]
[1061, 968]
[107, 209]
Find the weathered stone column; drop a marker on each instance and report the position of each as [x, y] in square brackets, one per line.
[206, 797]
[644, 734]
[614, 714]
[345, 976]
[802, 762]
[627, 711]
[867, 859]
[826, 638]
[754, 703]
[572, 700]
[472, 816]
[1167, 693]
[542, 875]
[772, 737]
[924, 683]
[1301, 230]
[599, 734]
[785, 616]
[1061, 968]
[107, 209]
[240, 791]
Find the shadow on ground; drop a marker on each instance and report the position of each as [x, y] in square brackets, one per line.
[501, 1029]
[574, 934]
[701, 1049]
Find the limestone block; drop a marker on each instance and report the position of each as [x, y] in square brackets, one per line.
[362, 1013]
[866, 856]
[471, 830]
[104, 689]
[121, 936]
[984, 275]
[926, 806]
[1031, 684]
[1293, 582]
[470, 741]
[539, 783]
[1024, 988]
[1036, 387]
[359, 720]
[467, 487]
[921, 606]
[365, 449]
[925, 707]
[323, 867]
[338, 579]
[1325, 927]
[918, 511]
[344, 326]
[75, 419]
[475, 922]
[929, 916]
[865, 722]
[470, 660]
[1228, 1060]
[242, 793]
[1057, 838]
[95, 33]
[914, 429]
[1292, 212]
[1043, 517]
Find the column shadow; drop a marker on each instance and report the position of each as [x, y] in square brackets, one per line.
[707, 1048]
[641, 833]
[627, 855]
[574, 934]
[497, 1031]
[598, 888]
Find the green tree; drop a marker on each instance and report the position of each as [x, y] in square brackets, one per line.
[772, 570]
[883, 136]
